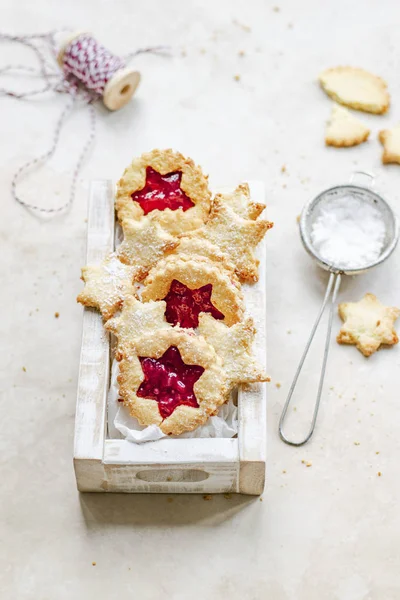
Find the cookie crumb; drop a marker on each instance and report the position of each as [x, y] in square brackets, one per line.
[303, 461]
[241, 53]
[242, 25]
[309, 464]
[356, 443]
[377, 452]
[298, 218]
[278, 385]
[24, 369]
[289, 331]
[56, 314]
[228, 496]
[207, 497]
[379, 474]
[236, 77]
[93, 564]
[261, 499]
[283, 471]
[276, 9]
[283, 169]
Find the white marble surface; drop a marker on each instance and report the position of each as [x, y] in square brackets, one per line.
[330, 531]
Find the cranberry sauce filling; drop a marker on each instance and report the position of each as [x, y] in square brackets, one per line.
[184, 304]
[162, 191]
[169, 381]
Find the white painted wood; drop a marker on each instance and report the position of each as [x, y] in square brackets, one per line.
[200, 465]
[94, 362]
[252, 400]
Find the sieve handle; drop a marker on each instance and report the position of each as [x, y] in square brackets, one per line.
[363, 174]
[333, 284]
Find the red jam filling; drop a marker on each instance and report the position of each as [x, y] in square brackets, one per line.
[169, 381]
[161, 192]
[184, 305]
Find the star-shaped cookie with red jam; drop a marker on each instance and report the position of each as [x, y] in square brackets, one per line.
[173, 379]
[144, 244]
[235, 236]
[166, 185]
[234, 346]
[136, 319]
[107, 285]
[190, 287]
[368, 324]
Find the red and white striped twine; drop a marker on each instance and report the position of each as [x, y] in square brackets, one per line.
[87, 67]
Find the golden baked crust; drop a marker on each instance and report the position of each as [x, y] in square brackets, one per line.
[226, 294]
[235, 236]
[136, 319]
[344, 130]
[234, 346]
[107, 285]
[198, 248]
[241, 203]
[194, 183]
[144, 244]
[356, 88]
[209, 389]
[390, 139]
[367, 324]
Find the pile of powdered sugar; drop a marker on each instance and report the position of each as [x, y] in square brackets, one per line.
[348, 233]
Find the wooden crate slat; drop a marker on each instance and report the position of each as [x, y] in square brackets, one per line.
[252, 405]
[94, 362]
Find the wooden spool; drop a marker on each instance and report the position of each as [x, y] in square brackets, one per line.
[119, 89]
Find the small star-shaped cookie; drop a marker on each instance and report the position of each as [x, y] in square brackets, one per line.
[367, 324]
[390, 139]
[107, 285]
[240, 201]
[233, 344]
[136, 319]
[235, 236]
[144, 244]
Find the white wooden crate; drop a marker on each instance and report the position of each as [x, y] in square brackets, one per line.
[200, 465]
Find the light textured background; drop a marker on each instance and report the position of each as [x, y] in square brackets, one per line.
[330, 531]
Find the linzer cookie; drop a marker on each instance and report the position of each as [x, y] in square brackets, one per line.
[190, 287]
[166, 185]
[173, 379]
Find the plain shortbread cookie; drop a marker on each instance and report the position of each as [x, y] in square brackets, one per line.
[356, 88]
[344, 130]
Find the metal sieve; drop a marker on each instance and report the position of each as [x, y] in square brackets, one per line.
[310, 213]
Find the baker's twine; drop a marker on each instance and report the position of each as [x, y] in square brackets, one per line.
[88, 66]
